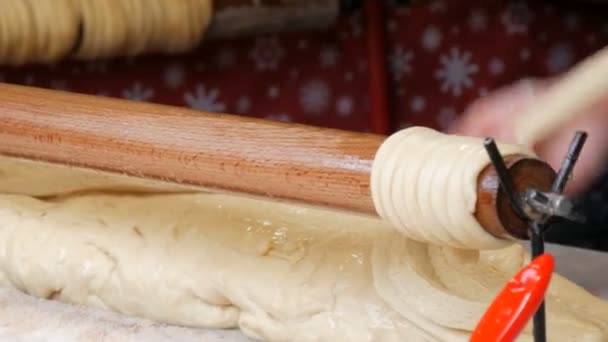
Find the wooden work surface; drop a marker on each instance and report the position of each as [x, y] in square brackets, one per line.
[28, 319]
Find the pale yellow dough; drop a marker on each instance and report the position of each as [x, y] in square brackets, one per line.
[425, 184]
[278, 272]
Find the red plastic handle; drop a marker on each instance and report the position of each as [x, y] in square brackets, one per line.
[517, 302]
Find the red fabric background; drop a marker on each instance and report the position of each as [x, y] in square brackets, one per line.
[322, 79]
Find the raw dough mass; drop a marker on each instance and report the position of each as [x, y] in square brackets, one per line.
[278, 272]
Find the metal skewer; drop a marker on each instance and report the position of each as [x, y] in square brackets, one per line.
[537, 207]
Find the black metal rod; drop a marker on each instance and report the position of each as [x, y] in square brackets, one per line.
[538, 228]
[537, 242]
[504, 179]
[565, 171]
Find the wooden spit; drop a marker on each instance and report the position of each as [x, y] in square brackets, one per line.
[221, 152]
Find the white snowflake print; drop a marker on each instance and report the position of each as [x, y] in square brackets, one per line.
[243, 105]
[225, 58]
[345, 106]
[204, 99]
[446, 117]
[517, 17]
[524, 54]
[496, 66]
[137, 92]
[455, 71]
[478, 20]
[273, 92]
[267, 53]
[279, 117]
[417, 104]
[174, 75]
[59, 85]
[329, 56]
[431, 38]
[400, 62]
[314, 96]
[560, 57]
[438, 6]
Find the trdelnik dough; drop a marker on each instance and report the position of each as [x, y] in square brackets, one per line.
[276, 271]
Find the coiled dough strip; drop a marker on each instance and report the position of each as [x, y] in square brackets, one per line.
[425, 183]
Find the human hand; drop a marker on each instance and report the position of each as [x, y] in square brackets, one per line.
[495, 116]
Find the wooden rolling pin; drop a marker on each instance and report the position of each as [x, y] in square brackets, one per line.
[220, 152]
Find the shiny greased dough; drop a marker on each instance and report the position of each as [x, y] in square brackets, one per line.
[278, 272]
[425, 183]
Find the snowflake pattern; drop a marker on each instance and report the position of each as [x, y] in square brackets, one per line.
[329, 56]
[273, 92]
[431, 38]
[558, 38]
[400, 62]
[267, 53]
[455, 71]
[517, 17]
[203, 99]
[344, 106]
[417, 104]
[243, 105]
[560, 57]
[314, 96]
[138, 92]
[478, 20]
[174, 75]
